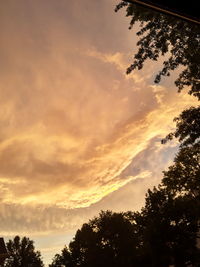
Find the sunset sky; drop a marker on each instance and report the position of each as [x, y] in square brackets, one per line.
[77, 135]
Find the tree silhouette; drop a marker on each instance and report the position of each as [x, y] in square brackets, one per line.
[165, 35]
[187, 127]
[170, 229]
[65, 259]
[22, 253]
[184, 176]
[173, 207]
[107, 240]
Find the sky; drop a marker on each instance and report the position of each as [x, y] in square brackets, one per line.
[77, 135]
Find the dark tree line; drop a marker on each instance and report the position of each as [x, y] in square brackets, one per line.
[21, 253]
[164, 233]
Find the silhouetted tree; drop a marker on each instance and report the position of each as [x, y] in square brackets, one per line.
[161, 34]
[184, 176]
[107, 240]
[22, 253]
[172, 211]
[170, 229]
[65, 259]
[187, 127]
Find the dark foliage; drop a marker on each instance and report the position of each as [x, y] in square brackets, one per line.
[64, 259]
[22, 253]
[187, 127]
[107, 240]
[165, 35]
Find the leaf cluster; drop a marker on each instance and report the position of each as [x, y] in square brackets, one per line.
[22, 253]
[163, 35]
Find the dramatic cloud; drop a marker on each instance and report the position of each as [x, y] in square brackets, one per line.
[77, 134]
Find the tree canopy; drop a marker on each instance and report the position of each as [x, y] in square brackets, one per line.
[64, 259]
[187, 127]
[162, 34]
[107, 240]
[22, 253]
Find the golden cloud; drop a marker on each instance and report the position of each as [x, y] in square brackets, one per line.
[72, 122]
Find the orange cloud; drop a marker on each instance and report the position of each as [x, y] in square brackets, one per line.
[77, 134]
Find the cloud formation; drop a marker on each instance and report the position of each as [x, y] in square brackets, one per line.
[77, 135]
